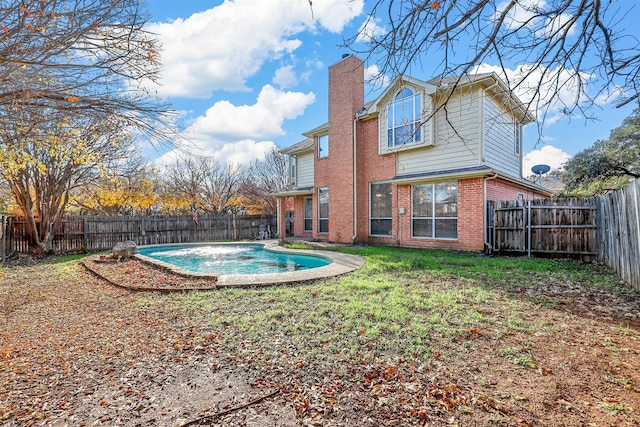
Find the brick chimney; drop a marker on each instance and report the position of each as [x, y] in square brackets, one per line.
[346, 97]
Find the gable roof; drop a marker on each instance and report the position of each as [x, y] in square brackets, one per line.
[489, 81]
[494, 85]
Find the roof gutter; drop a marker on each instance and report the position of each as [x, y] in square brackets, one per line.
[455, 174]
[292, 193]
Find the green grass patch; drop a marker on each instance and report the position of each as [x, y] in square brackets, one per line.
[519, 356]
[401, 302]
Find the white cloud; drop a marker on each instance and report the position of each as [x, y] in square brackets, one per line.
[547, 155]
[244, 151]
[238, 152]
[550, 93]
[370, 30]
[556, 27]
[239, 133]
[374, 78]
[220, 48]
[532, 15]
[521, 14]
[335, 14]
[225, 121]
[285, 77]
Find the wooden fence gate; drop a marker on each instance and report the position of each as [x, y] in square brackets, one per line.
[545, 227]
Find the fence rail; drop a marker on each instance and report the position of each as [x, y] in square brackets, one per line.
[558, 227]
[96, 233]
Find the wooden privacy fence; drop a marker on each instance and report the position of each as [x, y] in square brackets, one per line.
[96, 233]
[619, 235]
[552, 227]
[605, 228]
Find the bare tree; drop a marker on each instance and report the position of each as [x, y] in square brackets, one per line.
[81, 56]
[266, 177]
[71, 98]
[556, 45]
[212, 187]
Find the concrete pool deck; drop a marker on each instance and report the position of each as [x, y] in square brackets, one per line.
[341, 263]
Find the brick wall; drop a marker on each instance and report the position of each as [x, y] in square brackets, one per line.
[500, 190]
[371, 167]
[470, 219]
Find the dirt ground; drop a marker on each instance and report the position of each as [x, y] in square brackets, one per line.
[83, 352]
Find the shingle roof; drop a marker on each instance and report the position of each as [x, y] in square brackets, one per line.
[305, 145]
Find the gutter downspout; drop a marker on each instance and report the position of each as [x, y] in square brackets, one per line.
[355, 185]
[485, 224]
[487, 243]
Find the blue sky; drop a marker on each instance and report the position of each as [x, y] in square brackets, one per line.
[246, 75]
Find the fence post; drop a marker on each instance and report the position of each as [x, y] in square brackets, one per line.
[3, 238]
[143, 230]
[85, 236]
[637, 207]
[528, 212]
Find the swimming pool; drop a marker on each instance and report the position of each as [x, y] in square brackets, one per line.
[234, 258]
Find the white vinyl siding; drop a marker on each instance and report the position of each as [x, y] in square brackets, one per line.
[499, 139]
[305, 170]
[457, 138]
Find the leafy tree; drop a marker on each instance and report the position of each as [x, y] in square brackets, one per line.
[607, 165]
[127, 188]
[557, 45]
[43, 159]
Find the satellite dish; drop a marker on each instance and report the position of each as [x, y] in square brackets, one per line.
[540, 169]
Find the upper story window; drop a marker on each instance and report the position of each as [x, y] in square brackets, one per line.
[403, 118]
[292, 170]
[323, 146]
[517, 131]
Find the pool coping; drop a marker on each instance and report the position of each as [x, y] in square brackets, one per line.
[341, 263]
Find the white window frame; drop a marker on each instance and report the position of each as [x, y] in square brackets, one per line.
[323, 220]
[307, 219]
[292, 169]
[323, 147]
[373, 197]
[433, 217]
[399, 117]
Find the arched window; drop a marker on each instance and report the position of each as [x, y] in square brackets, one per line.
[403, 118]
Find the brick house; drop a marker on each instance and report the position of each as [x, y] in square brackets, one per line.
[407, 169]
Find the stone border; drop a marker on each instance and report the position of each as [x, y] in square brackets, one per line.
[340, 264]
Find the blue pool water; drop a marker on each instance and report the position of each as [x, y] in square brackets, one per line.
[231, 259]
